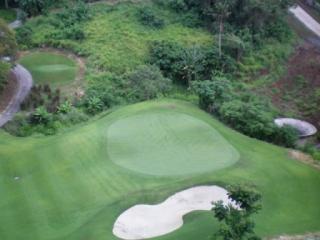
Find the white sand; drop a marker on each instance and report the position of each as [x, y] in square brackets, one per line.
[305, 129]
[306, 19]
[147, 221]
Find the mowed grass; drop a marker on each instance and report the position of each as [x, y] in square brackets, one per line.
[67, 187]
[163, 142]
[9, 15]
[50, 68]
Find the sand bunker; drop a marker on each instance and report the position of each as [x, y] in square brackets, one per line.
[148, 221]
[305, 129]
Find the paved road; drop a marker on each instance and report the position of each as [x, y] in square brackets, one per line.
[306, 19]
[24, 81]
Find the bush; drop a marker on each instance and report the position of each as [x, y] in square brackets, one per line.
[109, 88]
[24, 36]
[166, 56]
[312, 150]
[149, 18]
[4, 73]
[285, 136]
[147, 82]
[40, 116]
[248, 118]
[212, 94]
[72, 117]
[65, 107]
[19, 125]
[94, 105]
[179, 63]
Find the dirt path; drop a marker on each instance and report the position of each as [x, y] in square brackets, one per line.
[24, 84]
[306, 19]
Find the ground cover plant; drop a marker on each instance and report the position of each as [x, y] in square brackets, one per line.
[68, 186]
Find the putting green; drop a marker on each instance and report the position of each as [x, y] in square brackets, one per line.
[50, 68]
[168, 143]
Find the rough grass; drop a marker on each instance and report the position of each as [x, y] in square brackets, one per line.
[68, 188]
[9, 15]
[122, 42]
[49, 68]
[116, 40]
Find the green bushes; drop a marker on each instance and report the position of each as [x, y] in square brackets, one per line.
[40, 121]
[244, 112]
[149, 18]
[24, 36]
[147, 82]
[4, 72]
[212, 94]
[108, 90]
[40, 116]
[187, 64]
[42, 95]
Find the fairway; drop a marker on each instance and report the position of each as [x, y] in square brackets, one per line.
[168, 143]
[75, 185]
[50, 68]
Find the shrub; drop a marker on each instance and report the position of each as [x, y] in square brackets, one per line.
[179, 63]
[19, 125]
[212, 94]
[285, 136]
[94, 105]
[250, 118]
[40, 116]
[65, 107]
[24, 36]
[4, 73]
[109, 88]
[147, 82]
[72, 117]
[149, 18]
[312, 150]
[214, 62]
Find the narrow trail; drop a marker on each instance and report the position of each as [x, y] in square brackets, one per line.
[24, 84]
[306, 19]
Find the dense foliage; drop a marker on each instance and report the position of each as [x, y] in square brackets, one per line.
[236, 222]
[8, 50]
[241, 49]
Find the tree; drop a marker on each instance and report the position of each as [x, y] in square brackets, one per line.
[8, 45]
[192, 63]
[34, 7]
[235, 219]
[213, 93]
[40, 116]
[147, 82]
[219, 10]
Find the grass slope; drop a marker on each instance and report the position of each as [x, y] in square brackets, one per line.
[9, 15]
[68, 188]
[116, 40]
[50, 68]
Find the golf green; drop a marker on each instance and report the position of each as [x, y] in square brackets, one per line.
[168, 143]
[50, 68]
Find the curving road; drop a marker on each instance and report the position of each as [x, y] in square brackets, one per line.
[24, 84]
[306, 19]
